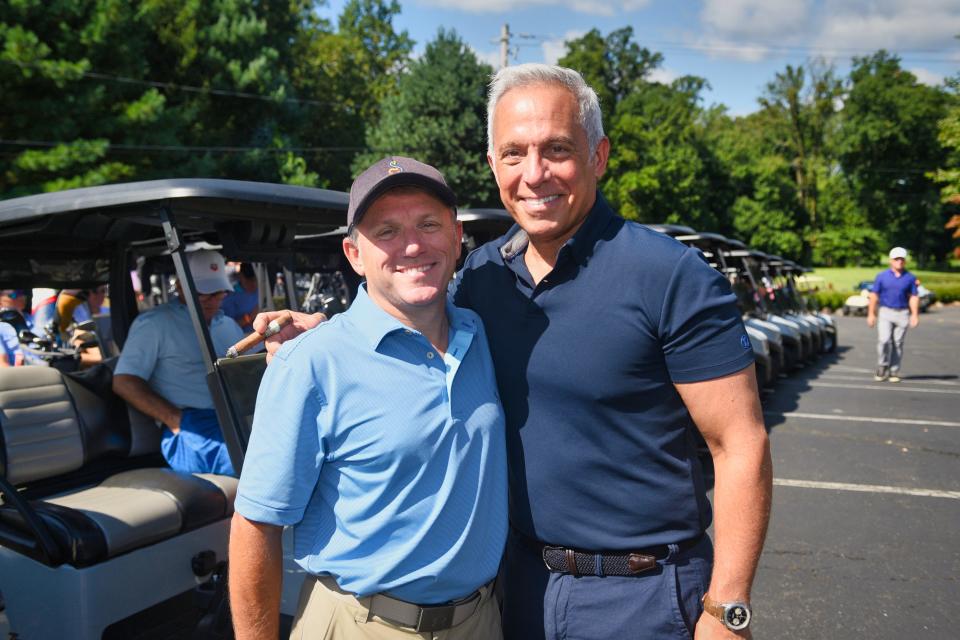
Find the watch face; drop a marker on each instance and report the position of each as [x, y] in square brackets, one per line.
[737, 616]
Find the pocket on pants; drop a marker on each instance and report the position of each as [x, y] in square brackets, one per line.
[690, 580]
[316, 613]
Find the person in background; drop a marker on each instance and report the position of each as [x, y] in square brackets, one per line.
[379, 437]
[161, 371]
[242, 303]
[895, 294]
[10, 353]
[44, 308]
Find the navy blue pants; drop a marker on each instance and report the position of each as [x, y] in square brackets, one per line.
[664, 602]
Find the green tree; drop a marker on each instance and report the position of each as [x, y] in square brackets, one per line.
[799, 104]
[613, 65]
[660, 167]
[350, 72]
[888, 146]
[104, 90]
[438, 116]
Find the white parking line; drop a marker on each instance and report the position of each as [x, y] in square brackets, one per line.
[828, 416]
[867, 488]
[843, 367]
[881, 386]
[907, 381]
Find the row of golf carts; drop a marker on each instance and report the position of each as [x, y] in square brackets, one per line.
[786, 330]
[98, 537]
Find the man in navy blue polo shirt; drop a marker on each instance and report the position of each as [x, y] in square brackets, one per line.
[611, 344]
[895, 293]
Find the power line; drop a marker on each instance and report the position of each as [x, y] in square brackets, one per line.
[183, 148]
[95, 75]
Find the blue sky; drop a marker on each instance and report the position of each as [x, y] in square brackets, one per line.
[737, 45]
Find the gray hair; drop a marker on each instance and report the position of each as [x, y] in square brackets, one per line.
[525, 75]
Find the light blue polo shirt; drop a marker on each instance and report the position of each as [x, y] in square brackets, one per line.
[163, 349]
[388, 458]
[9, 342]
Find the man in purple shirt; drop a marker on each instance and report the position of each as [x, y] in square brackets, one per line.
[895, 292]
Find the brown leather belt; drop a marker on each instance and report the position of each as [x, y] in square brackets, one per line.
[578, 562]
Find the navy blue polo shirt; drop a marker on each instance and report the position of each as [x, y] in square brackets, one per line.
[600, 447]
[895, 291]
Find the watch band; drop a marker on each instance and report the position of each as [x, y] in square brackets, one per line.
[741, 612]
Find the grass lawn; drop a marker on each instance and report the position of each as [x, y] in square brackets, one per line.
[844, 278]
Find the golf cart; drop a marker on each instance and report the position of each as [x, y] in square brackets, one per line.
[788, 302]
[763, 353]
[752, 295]
[791, 272]
[857, 304]
[98, 537]
[712, 245]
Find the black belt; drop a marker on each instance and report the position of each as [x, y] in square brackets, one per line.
[578, 562]
[426, 618]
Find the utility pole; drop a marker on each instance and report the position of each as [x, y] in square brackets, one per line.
[504, 45]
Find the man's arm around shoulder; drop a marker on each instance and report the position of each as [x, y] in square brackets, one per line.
[727, 412]
[256, 569]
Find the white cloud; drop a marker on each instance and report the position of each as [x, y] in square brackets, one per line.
[553, 50]
[593, 7]
[490, 56]
[927, 77]
[663, 76]
[755, 29]
[754, 20]
[889, 24]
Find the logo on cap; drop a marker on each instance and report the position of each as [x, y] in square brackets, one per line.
[394, 168]
[213, 266]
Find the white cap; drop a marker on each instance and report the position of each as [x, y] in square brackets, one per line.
[898, 252]
[208, 270]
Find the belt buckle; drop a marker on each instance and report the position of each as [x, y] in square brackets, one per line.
[543, 556]
[435, 618]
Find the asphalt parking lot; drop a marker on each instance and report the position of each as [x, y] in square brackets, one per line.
[863, 539]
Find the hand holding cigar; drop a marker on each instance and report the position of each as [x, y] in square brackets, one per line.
[256, 338]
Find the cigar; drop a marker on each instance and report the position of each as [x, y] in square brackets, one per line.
[256, 338]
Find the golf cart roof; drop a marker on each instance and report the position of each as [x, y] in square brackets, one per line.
[478, 215]
[703, 239]
[736, 244]
[672, 230]
[61, 238]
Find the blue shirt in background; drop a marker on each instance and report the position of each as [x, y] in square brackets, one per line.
[163, 349]
[9, 342]
[388, 459]
[600, 446]
[239, 303]
[895, 291]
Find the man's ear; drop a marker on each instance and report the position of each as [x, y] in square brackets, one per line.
[352, 252]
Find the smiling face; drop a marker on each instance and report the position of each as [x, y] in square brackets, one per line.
[406, 246]
[541, 160]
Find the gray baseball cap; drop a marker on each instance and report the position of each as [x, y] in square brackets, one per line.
[395, 171]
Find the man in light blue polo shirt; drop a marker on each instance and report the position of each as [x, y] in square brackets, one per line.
[895, 292]
[161, 370]
[379, 437]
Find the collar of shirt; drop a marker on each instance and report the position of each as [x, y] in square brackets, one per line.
[375, 324]
[579, 246]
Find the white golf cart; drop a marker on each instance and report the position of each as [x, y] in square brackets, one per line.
[98, 537]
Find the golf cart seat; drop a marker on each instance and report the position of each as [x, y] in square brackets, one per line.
[80, 486]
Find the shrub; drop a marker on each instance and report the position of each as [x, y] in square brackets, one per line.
[945, 292]
[829, 299]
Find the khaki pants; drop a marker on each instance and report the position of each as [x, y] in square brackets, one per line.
[325, 612]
